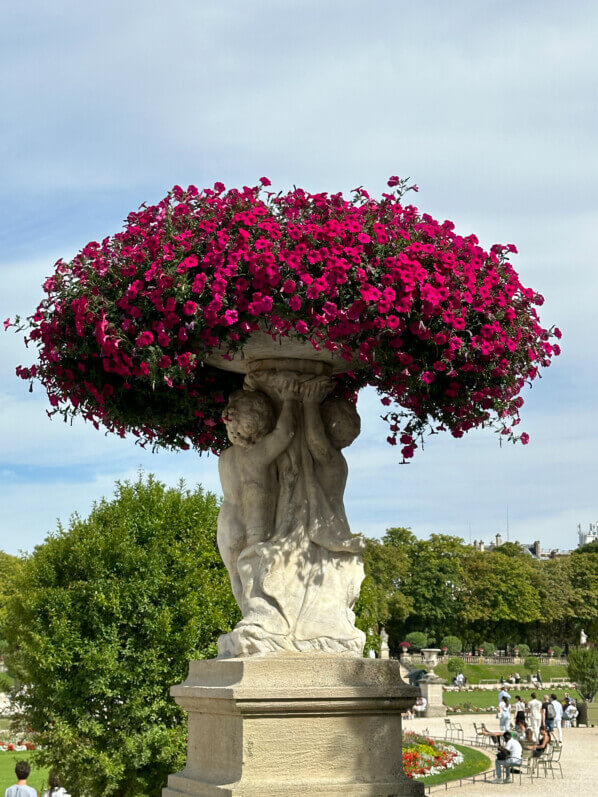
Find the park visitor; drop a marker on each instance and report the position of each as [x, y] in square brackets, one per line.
[509, 755]
[558, 717]
[503, 693]
[21, 789]
[535, 715]
[55, 789]
[504, 714]
[420, 706]
[547, 713]
[520, 713]
[570, 714]
[542, 743]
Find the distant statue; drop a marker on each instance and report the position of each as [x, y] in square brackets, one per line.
[384, 651]
[583, 638]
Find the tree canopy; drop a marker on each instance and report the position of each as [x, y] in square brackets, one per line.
[440, 586]
[104, 620]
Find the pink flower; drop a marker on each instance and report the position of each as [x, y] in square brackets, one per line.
[189, 308]
[145, 339]
[288, 286]
[164, 361]
[7, 324]
[302, 327]
[394, 180]
[295, 303]
[524, 438]
[265, 181]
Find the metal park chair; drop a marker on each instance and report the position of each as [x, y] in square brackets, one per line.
[552, 760]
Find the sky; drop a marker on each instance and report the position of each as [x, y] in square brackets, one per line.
[488, 106]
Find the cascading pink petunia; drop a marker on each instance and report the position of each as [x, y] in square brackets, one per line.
[442, 328]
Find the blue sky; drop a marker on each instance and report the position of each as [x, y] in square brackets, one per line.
[489, 106]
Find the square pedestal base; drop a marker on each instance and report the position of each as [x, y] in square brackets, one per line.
[294, 725]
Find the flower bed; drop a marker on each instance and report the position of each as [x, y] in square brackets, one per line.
[17, 747]
[423, 756]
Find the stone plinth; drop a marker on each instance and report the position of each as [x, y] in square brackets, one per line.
[431, 689]
[294, 725]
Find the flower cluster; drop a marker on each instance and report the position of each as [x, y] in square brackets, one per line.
[442, 328]
[423, 756]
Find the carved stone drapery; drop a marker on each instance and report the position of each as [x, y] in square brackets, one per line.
[295, 567]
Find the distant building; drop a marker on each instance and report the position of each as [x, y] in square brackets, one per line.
[533, 549]
[586, 537]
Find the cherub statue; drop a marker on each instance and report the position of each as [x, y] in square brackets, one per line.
[329, 427]
[247, 469]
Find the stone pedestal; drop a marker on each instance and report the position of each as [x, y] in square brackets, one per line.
[294, 725]
[431, 689]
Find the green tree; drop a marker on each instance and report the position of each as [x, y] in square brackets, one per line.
[454, 666]
[107, 615]
[382, 600]
[453, 643]
[583, 669]
[524, 650]
[417, 640]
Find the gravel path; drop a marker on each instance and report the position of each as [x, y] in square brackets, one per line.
[579, 761]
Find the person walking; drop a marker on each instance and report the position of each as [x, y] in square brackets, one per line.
[558, 717]
[520, 712]
[21, 789]
[504, 714]
[547, 713]
[535, 715]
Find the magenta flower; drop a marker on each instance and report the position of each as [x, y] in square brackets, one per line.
[442, 328]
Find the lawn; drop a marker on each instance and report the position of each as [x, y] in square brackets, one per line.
[480, 672]
[484, 698]
[474, 763]
[39, 775]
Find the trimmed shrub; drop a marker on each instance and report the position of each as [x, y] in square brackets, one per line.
[532, 663]
[453, 643]
[417, 639]
[488, 648]
[583, 669]
[524, 650]
[454, 666]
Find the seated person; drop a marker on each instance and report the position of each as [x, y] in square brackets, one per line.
[544, 739]
[509, 757]
[420, 706]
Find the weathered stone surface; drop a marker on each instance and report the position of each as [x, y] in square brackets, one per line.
[295, 568]
[294, 725]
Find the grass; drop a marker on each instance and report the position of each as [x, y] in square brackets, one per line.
[39, 775]
[474, 762]
[4, 724]
[484, 698]
[480, 672]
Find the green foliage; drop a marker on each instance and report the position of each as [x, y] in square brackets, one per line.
[488, 648]
[512, 549]
[589, 547]
[524, 650]
[445, 588]
[104, 620]
[454, 666]
[557, 650]
[583, 669]
[532, 663]
[453, 643]
[417, 640]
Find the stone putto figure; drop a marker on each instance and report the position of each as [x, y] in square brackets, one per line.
[295, 567]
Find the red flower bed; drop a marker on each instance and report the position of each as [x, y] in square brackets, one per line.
[441, 327]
